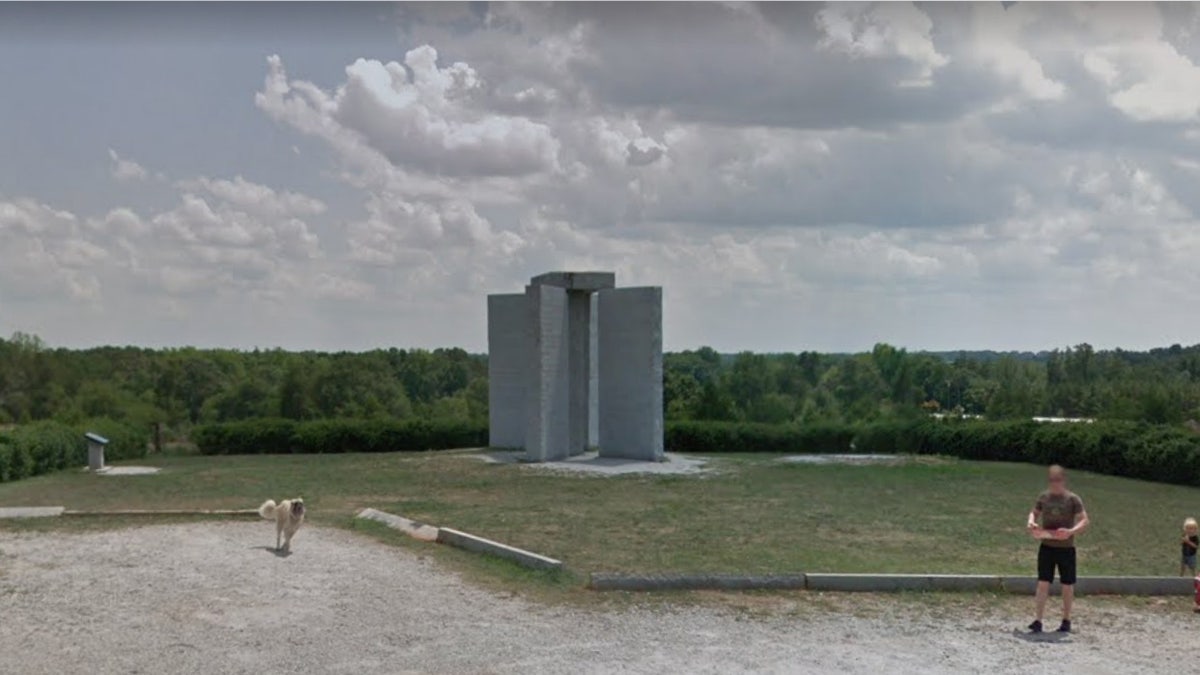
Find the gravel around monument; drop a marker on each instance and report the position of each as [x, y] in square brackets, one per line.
[592, 463]
[844, 459]
[212, 598]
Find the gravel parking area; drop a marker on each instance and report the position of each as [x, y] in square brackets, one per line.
[212, 598]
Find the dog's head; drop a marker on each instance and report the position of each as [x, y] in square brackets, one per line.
[298, 507]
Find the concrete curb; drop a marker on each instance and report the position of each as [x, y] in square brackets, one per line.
[471, 542]
[412, 528]
[886, 583]
[850, 583]
[694, 582]
[1107, 586]
[167, 512]
[31, 511]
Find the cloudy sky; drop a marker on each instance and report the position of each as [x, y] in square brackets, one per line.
[796, 176]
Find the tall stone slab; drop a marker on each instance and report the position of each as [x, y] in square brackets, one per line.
[547, 403]
[629, 355]
[508, 365]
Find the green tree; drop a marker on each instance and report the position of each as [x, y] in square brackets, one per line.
[296, 397]
[713, 404]
[749, 380]
[855, 383]
[1020, 389]
[247, 399]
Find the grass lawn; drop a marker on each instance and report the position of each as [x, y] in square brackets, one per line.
[753, 514]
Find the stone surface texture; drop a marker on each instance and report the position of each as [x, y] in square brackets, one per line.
[630, 367]
[547, 407]
[508, 344]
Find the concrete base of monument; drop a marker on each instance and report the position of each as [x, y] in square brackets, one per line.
[844, 459]
[592, 462]
[128, 471]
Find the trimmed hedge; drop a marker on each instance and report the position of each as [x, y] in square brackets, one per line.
[720, 437]
[1162, 453]
[281, 436]
[1166, 454]
[248, 437]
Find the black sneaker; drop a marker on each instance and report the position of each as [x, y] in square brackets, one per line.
[1035, 627]
[1065, 626]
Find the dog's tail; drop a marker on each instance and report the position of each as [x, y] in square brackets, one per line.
[267, 510]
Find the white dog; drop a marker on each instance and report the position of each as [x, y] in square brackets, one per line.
[288, 516]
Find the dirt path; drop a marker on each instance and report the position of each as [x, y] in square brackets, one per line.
[211, 599]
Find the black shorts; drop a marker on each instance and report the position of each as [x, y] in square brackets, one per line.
[1050, 557]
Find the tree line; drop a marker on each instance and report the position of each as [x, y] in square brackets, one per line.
[180, 388]
[1160, 386]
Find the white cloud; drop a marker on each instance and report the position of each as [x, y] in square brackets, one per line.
[643, 151]
[1167, 87]
[431, 120]
[241, 237]
[258, 199]
[224, 238]
[334, 287]
[1101, 68]
[44, 255]
[882, 30]
[126, 169]
[1146, 76]
[30, 217]
[1120, 188]
[120, 222]
[395, 226]
[997, 42]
